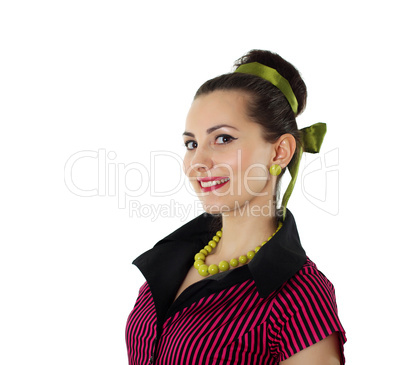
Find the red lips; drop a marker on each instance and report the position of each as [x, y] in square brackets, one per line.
[212, 178]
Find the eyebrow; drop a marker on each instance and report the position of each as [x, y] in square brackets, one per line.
[210, 130]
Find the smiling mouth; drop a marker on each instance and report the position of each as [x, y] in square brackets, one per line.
[207, 184]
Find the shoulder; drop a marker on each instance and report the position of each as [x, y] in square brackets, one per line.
[311, 279]
[304, 312]
[308, 284]
[308, 296]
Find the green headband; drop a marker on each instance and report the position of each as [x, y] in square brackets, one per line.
[311, 137]
[273, 76]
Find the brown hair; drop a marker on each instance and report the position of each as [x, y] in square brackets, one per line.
[267, 105]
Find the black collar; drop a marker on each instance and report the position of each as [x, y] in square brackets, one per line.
[167, 263]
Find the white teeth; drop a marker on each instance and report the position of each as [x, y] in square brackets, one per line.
[207, 184]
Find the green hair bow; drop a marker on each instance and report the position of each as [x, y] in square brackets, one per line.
[311, 138]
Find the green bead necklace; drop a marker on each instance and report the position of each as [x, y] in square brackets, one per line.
[205, 270]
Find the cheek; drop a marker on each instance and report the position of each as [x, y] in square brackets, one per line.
[189, 172]
[254, 165]
[186, 165]
[230, 165]
[256, 169]
[254, 173]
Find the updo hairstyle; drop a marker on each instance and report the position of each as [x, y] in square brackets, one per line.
[267, 105]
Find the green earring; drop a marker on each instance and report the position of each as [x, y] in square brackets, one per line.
[275, 170]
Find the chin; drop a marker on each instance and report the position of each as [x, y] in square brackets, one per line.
[217, 207]
[214, 208]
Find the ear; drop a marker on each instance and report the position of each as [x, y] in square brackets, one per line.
[284, 149]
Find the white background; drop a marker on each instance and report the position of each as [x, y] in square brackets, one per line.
[119, 77]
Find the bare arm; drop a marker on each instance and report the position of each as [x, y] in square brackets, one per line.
[324, 352]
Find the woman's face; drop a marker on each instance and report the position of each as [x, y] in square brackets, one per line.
[224, 145]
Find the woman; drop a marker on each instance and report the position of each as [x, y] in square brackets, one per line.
[234, 285]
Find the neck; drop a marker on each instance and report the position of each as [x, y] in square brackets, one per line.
[244, 229]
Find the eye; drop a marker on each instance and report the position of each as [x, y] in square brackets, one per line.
[225, 138]
[221, 140]
[190, 145]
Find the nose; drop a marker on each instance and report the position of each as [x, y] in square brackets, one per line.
[201, 161]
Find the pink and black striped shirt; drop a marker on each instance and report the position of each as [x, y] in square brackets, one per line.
[259, 313]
